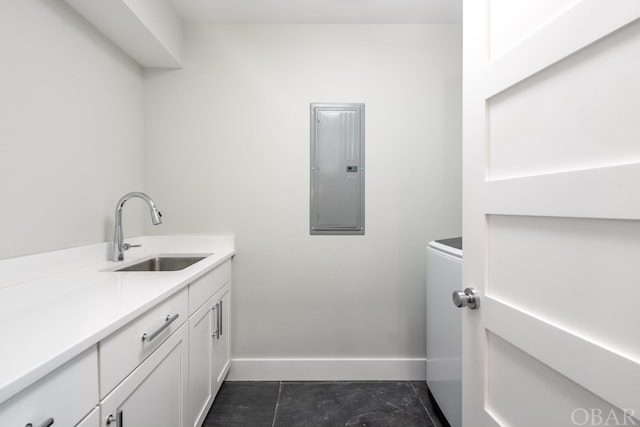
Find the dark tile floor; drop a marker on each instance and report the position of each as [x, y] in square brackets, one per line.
[323, 404]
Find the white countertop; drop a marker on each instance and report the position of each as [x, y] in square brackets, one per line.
[55, 305]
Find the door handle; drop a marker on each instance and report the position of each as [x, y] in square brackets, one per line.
[469, 298]
[117, 420]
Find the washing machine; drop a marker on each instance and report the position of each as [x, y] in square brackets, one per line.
[444, 327]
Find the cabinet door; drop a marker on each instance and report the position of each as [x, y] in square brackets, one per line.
[222, 342]
[200, 362]
[155, 394]
[91, 420]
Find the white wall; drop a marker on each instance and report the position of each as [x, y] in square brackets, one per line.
[71, 130]
[227, 150]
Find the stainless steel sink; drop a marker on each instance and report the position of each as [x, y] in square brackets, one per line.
[163, 263]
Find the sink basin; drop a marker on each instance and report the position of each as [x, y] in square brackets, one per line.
[163, 263]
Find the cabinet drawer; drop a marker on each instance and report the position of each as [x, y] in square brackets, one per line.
[125, 349]
[204, 288]
[156, 393]
[65, 395]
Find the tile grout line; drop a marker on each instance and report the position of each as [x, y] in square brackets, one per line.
[275, 411]
[423, 405]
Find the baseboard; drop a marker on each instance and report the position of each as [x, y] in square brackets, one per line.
[327, 370]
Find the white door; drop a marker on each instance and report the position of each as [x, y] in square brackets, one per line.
[551, 212]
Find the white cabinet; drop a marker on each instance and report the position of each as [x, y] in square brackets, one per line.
[201, 362]
[209, 340]
[204, 287]
[155, 393]
[144, 368]
[61, 398]
[125, 349]
[159, 370]
[222, 341]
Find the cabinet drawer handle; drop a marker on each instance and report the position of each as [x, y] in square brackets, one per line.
[220, 321]
[215, 332]
[47, 423]
[117, 419]
[167, 321]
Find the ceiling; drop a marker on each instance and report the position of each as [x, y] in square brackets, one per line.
[320, 11]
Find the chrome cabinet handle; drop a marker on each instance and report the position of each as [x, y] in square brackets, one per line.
[215, 315]
[469, 298]
[117, 419]
[220, 321]
[47, 423]
[167, 321]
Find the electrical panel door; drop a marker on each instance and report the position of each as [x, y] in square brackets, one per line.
[337, 169]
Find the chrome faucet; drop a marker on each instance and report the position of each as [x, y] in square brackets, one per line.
[118, 245]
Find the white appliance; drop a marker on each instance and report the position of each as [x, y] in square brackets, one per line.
[444, 327]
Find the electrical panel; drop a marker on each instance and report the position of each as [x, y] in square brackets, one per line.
[337, 168]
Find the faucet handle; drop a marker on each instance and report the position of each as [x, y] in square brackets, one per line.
[127, 246]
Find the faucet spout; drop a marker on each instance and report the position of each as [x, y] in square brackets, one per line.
[118, 241]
